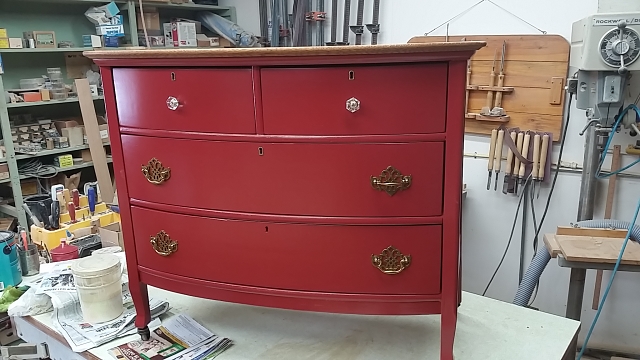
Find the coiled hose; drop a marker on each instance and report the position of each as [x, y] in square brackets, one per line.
[542, 257]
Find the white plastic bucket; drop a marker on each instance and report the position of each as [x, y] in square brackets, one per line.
[98, 282]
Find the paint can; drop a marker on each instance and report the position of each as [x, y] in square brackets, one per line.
[10, 272]
[98, 281]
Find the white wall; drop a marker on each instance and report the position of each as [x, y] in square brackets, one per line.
[488, 215]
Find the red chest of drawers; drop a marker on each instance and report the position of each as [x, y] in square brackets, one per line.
[317, 179]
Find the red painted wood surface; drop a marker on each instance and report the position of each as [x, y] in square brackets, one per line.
[404, 99]
[291, 256]
[296, 162]
[301, 179]
[211, 100]
[294, 300]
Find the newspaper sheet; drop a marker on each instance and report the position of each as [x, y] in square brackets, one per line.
[180, 338]
[82, 336]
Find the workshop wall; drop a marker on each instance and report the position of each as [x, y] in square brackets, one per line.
[485, 233]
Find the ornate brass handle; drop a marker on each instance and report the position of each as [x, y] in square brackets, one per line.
[391, 181]
[163, 244]
[155, 172]
[353, 104]
[391, 261]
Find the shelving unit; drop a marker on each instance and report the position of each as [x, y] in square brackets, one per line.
[66, 18]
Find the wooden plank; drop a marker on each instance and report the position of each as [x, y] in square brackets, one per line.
[608, 209]
[96, 147]
[524, 100]
[552, 245]
[598, 249]
[608, 233]
[519, 47]
[525, 121]
[557, 89]
[519, 73]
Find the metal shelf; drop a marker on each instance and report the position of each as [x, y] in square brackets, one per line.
[59, 169]
[44, 50]
[53, 152]
[50, 102]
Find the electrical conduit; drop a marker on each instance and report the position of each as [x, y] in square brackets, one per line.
[542, 257]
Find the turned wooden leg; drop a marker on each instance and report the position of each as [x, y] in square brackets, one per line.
[448, 321]
[140, 298]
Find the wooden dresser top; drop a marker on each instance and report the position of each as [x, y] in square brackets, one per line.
[286, 51]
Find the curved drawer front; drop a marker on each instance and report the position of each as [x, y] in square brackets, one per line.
[346, 259]
[288, 179]
[357, 100]
[206, 100]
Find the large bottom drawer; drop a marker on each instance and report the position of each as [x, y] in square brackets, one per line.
[324, 258]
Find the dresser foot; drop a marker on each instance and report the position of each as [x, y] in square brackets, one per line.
[144, 333]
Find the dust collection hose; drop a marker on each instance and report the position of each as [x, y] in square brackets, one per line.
[542, 257]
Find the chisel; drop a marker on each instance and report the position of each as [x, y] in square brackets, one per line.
[516, 167]
[536, 160]
[498, 102]
[525, 154]
[498, 157]
[61, 202]
[507, 171]
[492, 82]
[492, 149]
[543, 159]
[67, 196]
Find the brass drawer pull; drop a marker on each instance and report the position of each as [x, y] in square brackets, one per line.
[391, 181]
[391, 261]
[155, 172]
[163, 244]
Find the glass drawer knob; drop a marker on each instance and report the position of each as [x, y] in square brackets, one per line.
[353, 105]
[172, 103]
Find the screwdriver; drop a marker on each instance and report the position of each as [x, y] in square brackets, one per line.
[67, 197]
[525, 154]
[492, 82]
[492, 149]
[516, 167]
[91, 195]
[75, 194]
[55, 215]
[72, 212]
[536, 160]
[507, 171]
[63, 204]
[543, 159]
[498, 157]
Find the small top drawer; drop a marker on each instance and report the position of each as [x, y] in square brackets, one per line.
[205, 100]
[356, 100]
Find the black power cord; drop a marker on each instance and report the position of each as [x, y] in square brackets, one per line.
[546, 207]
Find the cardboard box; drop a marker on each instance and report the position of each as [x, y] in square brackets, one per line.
[61, 124]
[104, 133]
[4, 171]
[15, 43]
[180, 34]
[111, 235]
[156, 41]
[3, 33]
[29, 187]
[4, 43]
[111, 41]
[45, 94]
[86, 155]
[151, 20]
[75, 135]
[214, 41]
[110, 30]
[224, 43]
[93, 41]
[203, 40]
[31, 96]
[42, 39]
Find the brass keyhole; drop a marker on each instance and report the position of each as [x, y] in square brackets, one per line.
[173, 76]
[351, 75]
[260, 151]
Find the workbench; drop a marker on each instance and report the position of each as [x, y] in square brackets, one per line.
[487, 329]
[596, 253]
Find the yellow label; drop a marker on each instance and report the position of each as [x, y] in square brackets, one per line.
[4, 43]
[65, 161]
[3, 33]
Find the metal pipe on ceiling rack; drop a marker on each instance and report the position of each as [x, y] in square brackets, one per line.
[275, 23]
[374, 27]
[358, 28]
[345, 23]
[309, 24]
[320, 23]
[284, 19]
[334, 22]
[263, 8]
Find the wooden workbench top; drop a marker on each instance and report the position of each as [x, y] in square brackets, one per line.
[155, 53]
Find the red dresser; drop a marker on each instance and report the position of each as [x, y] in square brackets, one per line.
[320, 179]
